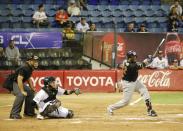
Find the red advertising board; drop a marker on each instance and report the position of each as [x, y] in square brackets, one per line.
[90, 80]
[104, 80]
[160, 80]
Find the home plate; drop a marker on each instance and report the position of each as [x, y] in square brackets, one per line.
[76, 122]
[10, 119]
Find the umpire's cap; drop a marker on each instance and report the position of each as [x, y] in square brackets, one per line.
[33, 57]
[130, 54]
[48, 80]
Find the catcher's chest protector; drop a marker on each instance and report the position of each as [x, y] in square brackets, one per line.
[51, 94]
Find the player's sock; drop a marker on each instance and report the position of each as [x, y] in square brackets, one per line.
[148, 104]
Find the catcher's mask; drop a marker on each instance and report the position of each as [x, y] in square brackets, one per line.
[48, 80]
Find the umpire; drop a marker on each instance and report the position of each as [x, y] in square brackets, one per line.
[22, 91]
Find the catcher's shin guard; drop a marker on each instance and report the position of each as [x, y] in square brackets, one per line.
[70, 114]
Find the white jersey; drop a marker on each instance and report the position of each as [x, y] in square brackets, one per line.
[42, 95]
[159, 64]
[39, 15]
[181, 63]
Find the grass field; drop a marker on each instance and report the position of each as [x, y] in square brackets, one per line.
[90, 114]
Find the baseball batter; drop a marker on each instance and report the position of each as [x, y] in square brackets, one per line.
[130, 84]
[47, 103]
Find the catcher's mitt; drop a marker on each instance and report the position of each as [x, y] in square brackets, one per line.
[77, 91]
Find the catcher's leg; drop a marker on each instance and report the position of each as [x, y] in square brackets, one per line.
[141, 88]
[128, 89]
[61, 112]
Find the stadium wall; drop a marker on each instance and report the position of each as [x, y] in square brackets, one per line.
[105, 80]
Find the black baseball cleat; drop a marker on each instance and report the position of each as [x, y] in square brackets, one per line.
[152, 113]
[15, 117]
[30, 114]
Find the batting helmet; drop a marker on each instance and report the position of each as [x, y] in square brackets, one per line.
[130, 54]
[48, 80]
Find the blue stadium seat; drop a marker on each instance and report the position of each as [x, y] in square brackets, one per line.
[28, 1]
[157, 30]
[139, 13]
[16, 1]
[5, 25]
[155, 7]
[74, 19]
[152, 23]
[129, 19]
[146, 2]
[84, 13]
[51, 13]
[114, 2]
[166, 8]
[17, 25]
[28, 13]
[140, 20]
[17, 12]
[144, 7]
[97, 21]
[5, 13]
[38, 2]
[134, 7]
[149, 13]
[104, 2]
[5, 19]
[108, 22]
[114, 8]
[26, 19]
[92, 7]
[103, 7]
[156, 2]
[95, 13]
[160, 13]
[135, 2]
[107, 14]
[120, 22]
[124, 2]
[15, 19]
[93, 2]
[118, 13]
[128, 13]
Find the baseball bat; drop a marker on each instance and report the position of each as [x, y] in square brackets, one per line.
[162, 41]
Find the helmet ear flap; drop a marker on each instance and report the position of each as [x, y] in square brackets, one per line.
[48, 80]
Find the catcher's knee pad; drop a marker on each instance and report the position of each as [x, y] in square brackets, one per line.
[70, 114]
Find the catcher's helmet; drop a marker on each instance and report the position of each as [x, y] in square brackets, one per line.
[130, 54]
[48, 80]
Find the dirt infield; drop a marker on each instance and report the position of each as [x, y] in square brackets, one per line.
[90, 115]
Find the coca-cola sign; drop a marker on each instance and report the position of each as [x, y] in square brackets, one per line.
[157, 79]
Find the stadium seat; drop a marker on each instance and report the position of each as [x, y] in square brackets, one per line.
[17, 13]
[166, 8]
[114, 2]
[108, 22]
[128, 13]
[84, 13]
[139, 21]
[144, 7]
[146, 2]
[135, 2]
[26, 19]
[51, 13]
[129, 19]
[92, 7]
[149, 13]
[139, 13]
[74, 19]
[97, 21]
[118, 13]
[95, 13]
[155, 7]
[120, 22]
[93, 2]
[5, 13]
[107, 14]
[124, 2]
[114, 8]
[156, 2]
[38, 2]
[5, 25]
[17, 25]
[160, 13]
[104, 2]
[16, 2]
[103, 7]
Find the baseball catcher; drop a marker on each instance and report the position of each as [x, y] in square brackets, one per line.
[130, 83]
[47, 103]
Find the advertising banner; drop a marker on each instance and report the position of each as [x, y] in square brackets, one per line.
[105, 80]
[90, 81]
[32, 40]
[143, 43]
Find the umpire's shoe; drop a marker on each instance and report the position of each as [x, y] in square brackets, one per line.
[15, 117]
[152, 113]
